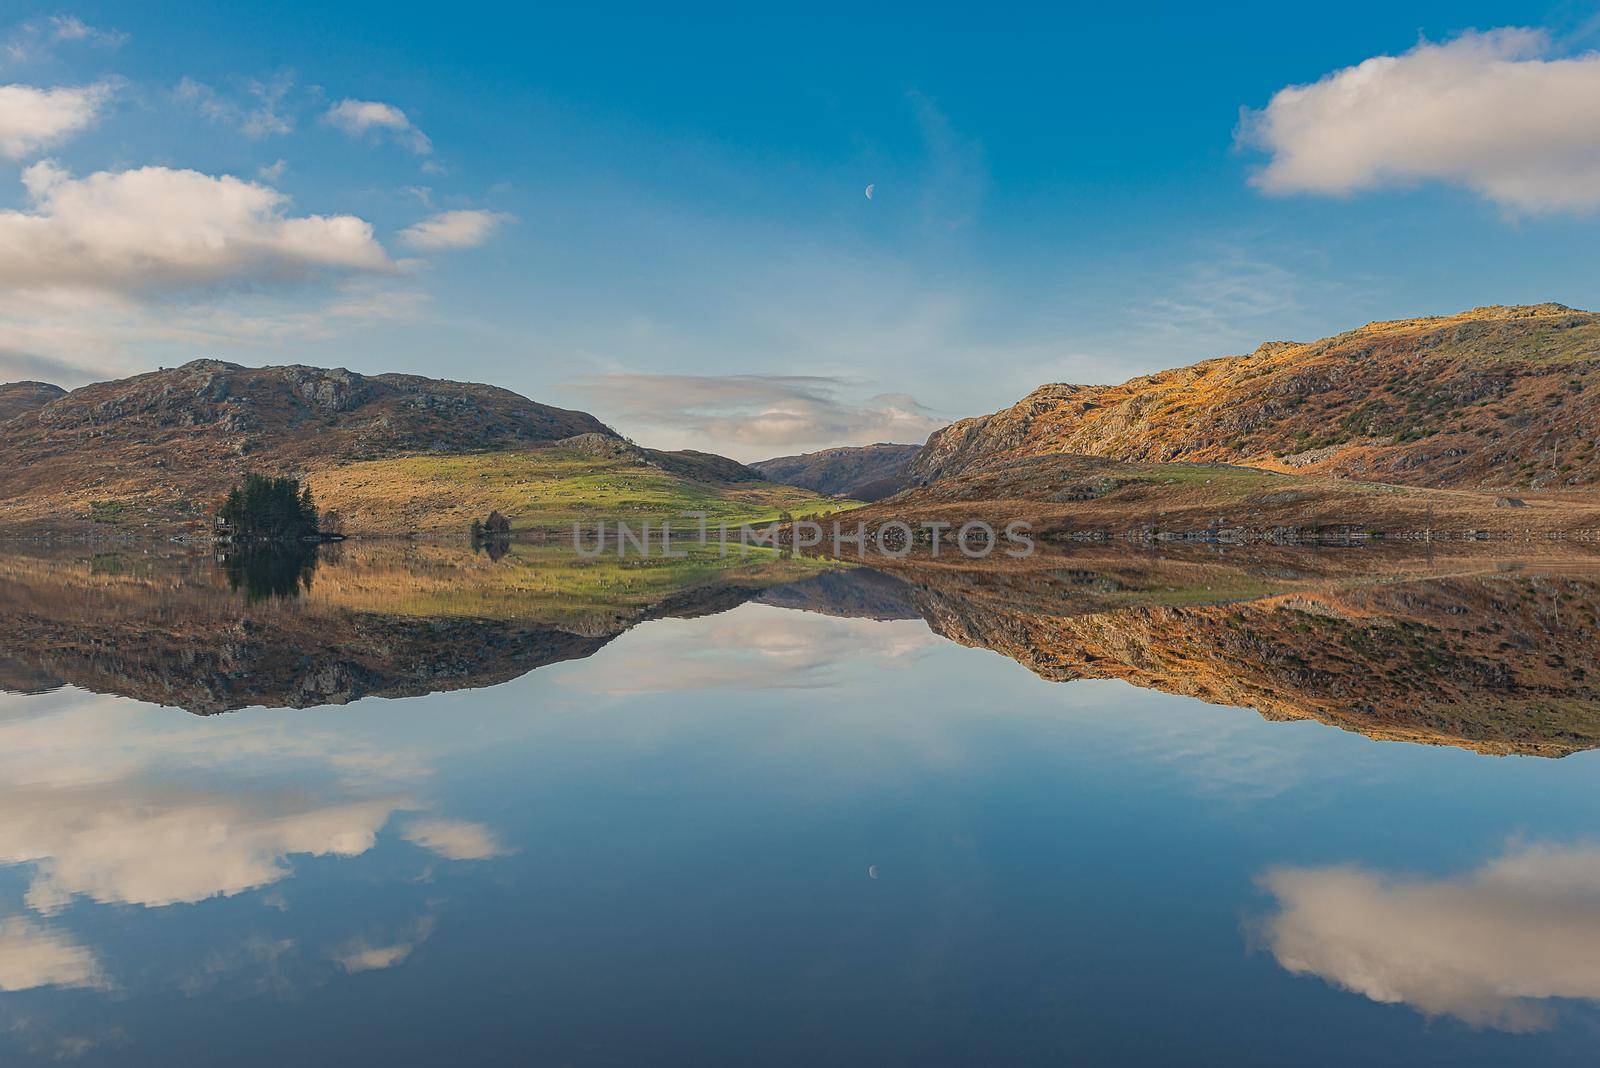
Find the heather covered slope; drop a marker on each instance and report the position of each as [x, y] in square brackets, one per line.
[1494, 398]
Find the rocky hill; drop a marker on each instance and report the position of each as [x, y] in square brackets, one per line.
[154, 451]
[17, 398]
[863, 473]
[1494, 398]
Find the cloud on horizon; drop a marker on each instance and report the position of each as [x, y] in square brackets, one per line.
[756, 412]
[1494, 112]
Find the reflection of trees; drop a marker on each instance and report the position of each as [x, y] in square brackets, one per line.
[265, 571]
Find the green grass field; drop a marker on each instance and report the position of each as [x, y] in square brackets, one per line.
[543, 490]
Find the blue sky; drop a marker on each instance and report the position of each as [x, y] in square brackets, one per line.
[662, 220]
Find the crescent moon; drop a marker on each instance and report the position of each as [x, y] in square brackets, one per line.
[870, 188]
[872, 871]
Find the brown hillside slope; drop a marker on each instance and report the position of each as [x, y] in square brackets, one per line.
[182, 435]
[1066, 495]
[1492, 398]
[18, 398]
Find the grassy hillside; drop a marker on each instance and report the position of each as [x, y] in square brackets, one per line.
[546, 489]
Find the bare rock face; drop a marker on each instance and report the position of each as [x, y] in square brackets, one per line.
[1494, 397]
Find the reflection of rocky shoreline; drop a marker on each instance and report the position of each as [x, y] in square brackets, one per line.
[1500, 662]
[179, 636]
[1495, 661]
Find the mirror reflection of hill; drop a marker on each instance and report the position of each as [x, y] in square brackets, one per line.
[1463, 649]
[1487, 654]
[185, 630]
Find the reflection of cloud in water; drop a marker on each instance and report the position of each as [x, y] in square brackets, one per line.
[119, 803]
[143, 844]
[32, 955]
[754, 646]
[364, 956]
[454, 839]
[1483, 947]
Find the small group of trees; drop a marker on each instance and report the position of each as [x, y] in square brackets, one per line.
[492, 535]
[496, 526]
[274, 509]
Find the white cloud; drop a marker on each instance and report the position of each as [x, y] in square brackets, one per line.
[260, 115]
[68, 28]
[155, 228]
[360, 118]
[454, 229]
[32, 119]
[761, 413]
[1487, 947]
[37, 38]
[1493, 112]
[454, 839]
[32, 955]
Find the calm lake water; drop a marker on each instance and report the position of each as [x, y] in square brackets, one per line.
[528, 813]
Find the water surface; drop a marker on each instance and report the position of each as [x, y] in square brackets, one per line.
[421, 807]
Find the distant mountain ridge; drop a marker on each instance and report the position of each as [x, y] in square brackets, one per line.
[863, 473]
[1497, 397]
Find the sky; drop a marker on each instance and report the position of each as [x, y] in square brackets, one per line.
[663, 220]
